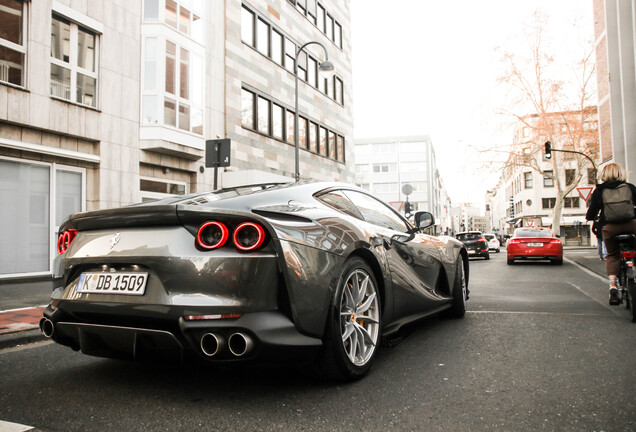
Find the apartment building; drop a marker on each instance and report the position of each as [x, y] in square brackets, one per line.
[108, 103]
[385, 165]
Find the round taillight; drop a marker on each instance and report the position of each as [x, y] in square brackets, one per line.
[212, 235]
[249, 236]
[65, 239]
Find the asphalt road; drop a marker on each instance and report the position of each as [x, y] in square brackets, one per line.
[539, 350]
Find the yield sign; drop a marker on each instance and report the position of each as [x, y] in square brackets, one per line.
[584, 192]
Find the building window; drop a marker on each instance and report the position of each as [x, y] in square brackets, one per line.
[591, 176]
[527, 180]
[39, 197]
[548, 181]
[270, 41]
[570, 174]
[154, 189]
[571, 202]
[176, 82]
[383, 167]
[13, 26]
[385, 187]
[261, 114]
[182, 15]
[74, 62]
[548, 203]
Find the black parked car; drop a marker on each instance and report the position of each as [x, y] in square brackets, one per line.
[310, 272]
[475, 242]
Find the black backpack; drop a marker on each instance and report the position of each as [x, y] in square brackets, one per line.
[618, 204]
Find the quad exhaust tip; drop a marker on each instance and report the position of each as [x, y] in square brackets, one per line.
[240, 344]
[47, 327]
[212, 344]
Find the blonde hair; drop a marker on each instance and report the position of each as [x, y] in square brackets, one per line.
[613, 171]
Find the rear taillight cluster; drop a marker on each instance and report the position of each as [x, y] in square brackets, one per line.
[246, 236]
[65, 239]
[482, 240]
[555, 241]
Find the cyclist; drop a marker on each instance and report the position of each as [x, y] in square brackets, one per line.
[613, 177]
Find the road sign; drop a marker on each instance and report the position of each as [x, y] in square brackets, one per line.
[585, 192]
[397, 205]
[407, 189]
[529, 222]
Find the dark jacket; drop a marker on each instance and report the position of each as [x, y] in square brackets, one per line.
[595, 211]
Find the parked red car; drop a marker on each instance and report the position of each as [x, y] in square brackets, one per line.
[534, 243]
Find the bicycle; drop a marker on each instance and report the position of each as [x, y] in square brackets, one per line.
[627, 276]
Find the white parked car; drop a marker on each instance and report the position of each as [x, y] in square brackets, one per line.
[493, 243]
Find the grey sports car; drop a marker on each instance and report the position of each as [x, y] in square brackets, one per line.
[308, 272]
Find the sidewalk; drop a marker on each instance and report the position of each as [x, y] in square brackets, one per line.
[21, 305]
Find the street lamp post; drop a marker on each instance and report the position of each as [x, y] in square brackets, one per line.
[325, 68]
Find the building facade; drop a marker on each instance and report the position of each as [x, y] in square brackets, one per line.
[108, 103]
[385, 165]
[526, 194]
[615, 35]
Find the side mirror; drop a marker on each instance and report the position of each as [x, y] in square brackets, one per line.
[424, 219]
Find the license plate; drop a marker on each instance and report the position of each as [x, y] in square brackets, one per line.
[535, 244]
[113, 283]
[470, 252]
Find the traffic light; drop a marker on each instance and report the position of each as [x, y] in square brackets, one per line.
[548, 150]
[408, 207]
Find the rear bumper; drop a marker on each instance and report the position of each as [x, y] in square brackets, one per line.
[535, 253]
[271, 334]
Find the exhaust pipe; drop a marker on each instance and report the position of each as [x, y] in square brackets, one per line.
[47, 327]
[212, 344]
[240, 344]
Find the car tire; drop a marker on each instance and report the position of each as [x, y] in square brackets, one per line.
[497, 250]
[487, 256]
[557, 262]
[352, 335]
[460, 292]
[510, 261]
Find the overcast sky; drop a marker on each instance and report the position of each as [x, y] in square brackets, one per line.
[430, 67]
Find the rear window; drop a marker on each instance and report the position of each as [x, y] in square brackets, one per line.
[468, 236]
[489, 237]
[533, 233]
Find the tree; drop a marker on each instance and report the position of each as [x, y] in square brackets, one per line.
[561, 112]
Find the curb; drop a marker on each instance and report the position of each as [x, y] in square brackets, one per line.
[11, 340]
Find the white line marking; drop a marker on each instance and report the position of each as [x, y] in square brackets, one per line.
[533, 313]
[587, 270]
[24, 308]
[605, 305]
[14, 427]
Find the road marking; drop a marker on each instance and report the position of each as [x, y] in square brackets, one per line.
[586, 270]
[605, 305]
[21, 309]
[14, 427]
[533, 313]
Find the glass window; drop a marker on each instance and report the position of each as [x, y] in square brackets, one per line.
[312, 76]
[341, 149]
[262, 37]
[329, 27]
[277, 121]
[68, 194]
[290, 55]
[247, 26]
[290, 127]
[263, 115]
[527, 180]
[170, 112]
[302, 66]
[184, 63]
[171, 69]
[277, 47]
[548, 181]
[171, 13]
[73, 72]
[570, 174]
[338, 35]
[151, 9]
[12, 46]
[184, 20]
[313, 137]
[377, 213]
[548, 203]
[332, 145]
[322, 141]
[591, 176]
[247, 109]
[337, 200]
[184, 116]
[302, 132]
[321, 18]
[339, 96]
